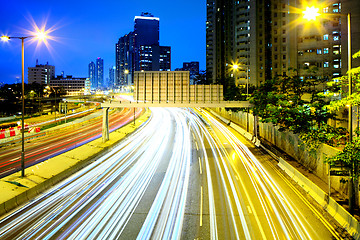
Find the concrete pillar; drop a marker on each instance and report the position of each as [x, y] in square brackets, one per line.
[105, 126]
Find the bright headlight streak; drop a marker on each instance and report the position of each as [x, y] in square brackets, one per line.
[279, 196]
[111, 231]
[165, 217]
[233, 195]
[268, 216]
[213, 230]
[87, 180]
[252, 173]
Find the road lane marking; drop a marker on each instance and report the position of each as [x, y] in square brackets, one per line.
[249, 209]
[200, 165]
[201, 206]
[197, 147]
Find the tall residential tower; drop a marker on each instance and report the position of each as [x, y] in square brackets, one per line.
[92, 75]
[99, 72]
[266, 38]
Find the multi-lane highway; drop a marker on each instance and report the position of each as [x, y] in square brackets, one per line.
[42, 148]
[180, 175]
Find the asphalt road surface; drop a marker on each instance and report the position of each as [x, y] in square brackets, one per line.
[181, 175]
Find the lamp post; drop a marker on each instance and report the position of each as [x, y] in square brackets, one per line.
[310, 14]
[41, 35]
[126, 72]
[48, 88]
[235, 67]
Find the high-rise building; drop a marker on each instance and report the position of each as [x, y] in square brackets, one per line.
[146, 30]
[266, 38]
[92, 75]
[111, 82]
[164, 58]
[99, 73]
[140, 50]
[124, 58]
[41, 73]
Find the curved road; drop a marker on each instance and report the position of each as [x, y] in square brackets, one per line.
[182, 174]
[43, 148]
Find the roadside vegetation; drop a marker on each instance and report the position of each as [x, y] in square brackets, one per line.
[304, 106]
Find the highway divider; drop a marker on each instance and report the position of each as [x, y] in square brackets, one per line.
[16, 191]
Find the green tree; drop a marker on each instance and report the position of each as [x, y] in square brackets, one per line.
[293, 103]
[350, 156]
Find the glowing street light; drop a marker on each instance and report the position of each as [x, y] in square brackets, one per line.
[40, 35]
[235, 67]
[5, 38]
[311, 13]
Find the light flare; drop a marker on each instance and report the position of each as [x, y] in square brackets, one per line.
[5, 38]
[311, 13]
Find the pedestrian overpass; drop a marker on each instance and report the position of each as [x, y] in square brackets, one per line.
[169, 89]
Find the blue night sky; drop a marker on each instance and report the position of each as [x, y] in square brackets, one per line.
[85, 30]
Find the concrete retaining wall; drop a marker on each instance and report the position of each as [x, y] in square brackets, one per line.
[345, 219]
[290, 142]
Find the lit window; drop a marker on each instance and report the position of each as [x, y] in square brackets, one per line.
[336, 38]
[318, 51]
[326, 36]
[326, 64]
[326, 50]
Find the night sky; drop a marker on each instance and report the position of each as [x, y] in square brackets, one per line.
[85, 30]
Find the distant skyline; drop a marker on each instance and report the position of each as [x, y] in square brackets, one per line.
[86, 30]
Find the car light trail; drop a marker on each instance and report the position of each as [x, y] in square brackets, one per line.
[237, 197]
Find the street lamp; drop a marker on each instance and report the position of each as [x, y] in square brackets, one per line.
[126, 72]
[41, 35]
[54, 89]
[310, 14]
[235, 67]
